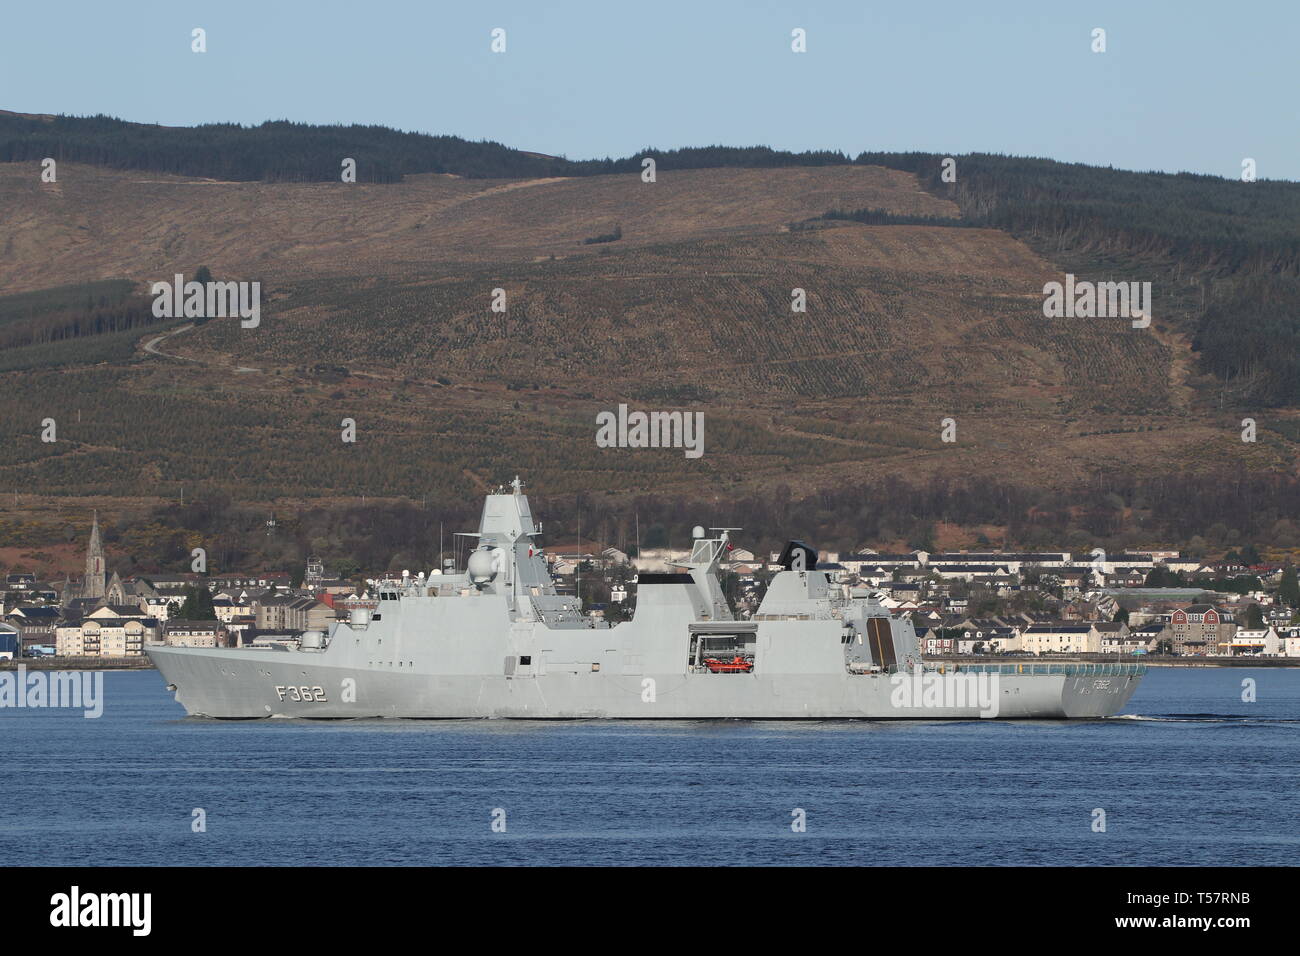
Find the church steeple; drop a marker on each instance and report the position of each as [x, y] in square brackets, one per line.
[96, 579]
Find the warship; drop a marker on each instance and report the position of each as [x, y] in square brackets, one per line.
[496, 639]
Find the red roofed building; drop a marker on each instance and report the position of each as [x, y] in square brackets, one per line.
[1199, 629]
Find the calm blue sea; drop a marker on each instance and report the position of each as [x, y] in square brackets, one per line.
[1193, 776]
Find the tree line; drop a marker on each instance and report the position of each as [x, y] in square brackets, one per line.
[72, 311]
[280, 150]
[1196, 513]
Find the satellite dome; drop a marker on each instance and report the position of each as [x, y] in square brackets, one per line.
[481, 567]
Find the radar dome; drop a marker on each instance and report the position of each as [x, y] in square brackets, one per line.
[481, 567]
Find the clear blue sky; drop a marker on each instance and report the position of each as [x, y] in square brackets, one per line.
[1183, 85]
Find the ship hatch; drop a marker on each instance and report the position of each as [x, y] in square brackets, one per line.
[881, 640]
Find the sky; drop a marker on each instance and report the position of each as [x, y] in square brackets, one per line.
[1195, 86]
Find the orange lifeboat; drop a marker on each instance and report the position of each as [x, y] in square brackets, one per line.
[737, 665]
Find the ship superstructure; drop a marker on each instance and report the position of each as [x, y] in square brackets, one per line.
[497, 639]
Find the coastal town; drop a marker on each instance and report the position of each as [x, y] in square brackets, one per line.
[988, 603]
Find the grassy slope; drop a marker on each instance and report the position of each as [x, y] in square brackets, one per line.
[906, 325]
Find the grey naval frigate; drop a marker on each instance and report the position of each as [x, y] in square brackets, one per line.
[497, 639]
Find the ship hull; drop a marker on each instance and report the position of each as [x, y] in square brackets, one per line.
[230, 683]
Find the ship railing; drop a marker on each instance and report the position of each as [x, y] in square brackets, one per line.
[1028, 669]
[1075, 669]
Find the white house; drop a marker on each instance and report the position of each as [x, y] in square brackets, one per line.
[1004, 641]
[1263, 641]
[1061, 639]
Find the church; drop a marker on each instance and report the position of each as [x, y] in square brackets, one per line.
[97, 588]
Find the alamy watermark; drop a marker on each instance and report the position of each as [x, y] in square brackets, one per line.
[1101, 300]
[75, 908]
[626, 429]
[931, 690]
[57, 689]
[208, 300]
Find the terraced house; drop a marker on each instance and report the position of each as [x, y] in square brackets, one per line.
[181, 633]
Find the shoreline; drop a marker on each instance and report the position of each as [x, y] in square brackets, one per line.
[78, 664]
[1149, 660]
[144, 664]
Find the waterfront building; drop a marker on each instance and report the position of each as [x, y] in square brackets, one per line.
[1254, 642]
[1061, 639]
[182, 633]
[1200, 629]
[108, 631]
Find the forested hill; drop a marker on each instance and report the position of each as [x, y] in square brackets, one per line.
[1223, 255]
[300, 152]
[273, 151]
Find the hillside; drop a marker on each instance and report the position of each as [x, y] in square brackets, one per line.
[376, 307]
[96, 223]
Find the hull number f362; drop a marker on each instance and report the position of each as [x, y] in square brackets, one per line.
[301, 693]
